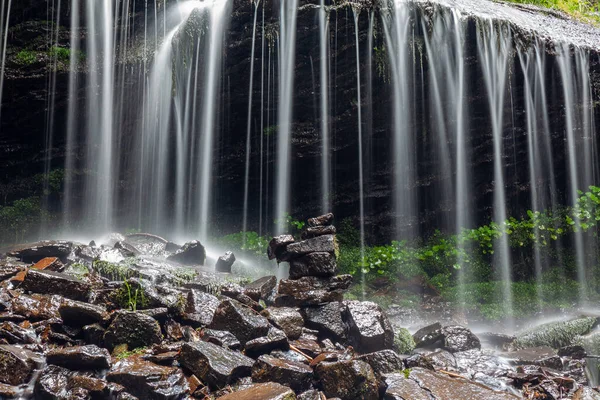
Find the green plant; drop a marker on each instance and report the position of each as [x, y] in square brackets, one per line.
[131, 297]
[121, 354]
[270, 130]
[247, 241]
[403, 341]
[26, 57]
[60, 53]
[115, 272]
[21, 217]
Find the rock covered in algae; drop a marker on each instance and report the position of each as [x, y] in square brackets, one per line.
[556, 334]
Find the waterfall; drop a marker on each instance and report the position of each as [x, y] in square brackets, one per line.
[324, 108]
[4, 25]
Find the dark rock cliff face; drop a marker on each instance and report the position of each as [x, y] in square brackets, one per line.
[25, 116]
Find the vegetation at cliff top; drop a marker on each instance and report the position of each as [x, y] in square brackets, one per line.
[586, 10]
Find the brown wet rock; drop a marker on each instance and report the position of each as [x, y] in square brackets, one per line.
[277, 246]
[348, 380]
[440, 359]
[262, 391]
[428, 335]
[401, 388]
[8, 271]
[200, 308]
[307, 346]
[52, 384]
[296, 375]
[311, 290]
[166, 358]
[237, 293]
[49, 264]
[327, 319]
[315, 231]
[458, 338]
[48, 248]
[78, 313]
[313, 264]
[48, 282]
[133, 329]
[213, 364]
[287, 319]
[17, 364]
[191, 253]
[15, 334]
[221, 338]
[261, 289]
[88, 357]
[321, 220]
[274, 340]
[8, 391]
[97, 388]
[147, 380]
[37, 307]
[242, 321]
[369, 327]
[383, 361]
[319, 244]
[444, 387]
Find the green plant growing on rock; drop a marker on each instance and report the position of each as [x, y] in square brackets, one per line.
[123, 353]
[115, 272]
[556, 334]
[26, 57]
[130, 298]
[403, 341]
[61, 54]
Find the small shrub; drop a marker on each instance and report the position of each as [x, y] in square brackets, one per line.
[61, 54]
[26, 57]
[403, 341]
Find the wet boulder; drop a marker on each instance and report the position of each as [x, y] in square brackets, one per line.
[383, 361]
[94, 334]
[225, 262]
[458, 338]
[221, 338]
[287, 319]
[243, 322]
[275, 339]
[32, 253]
[296, 375]
[49, 264]
[327, 319]
[542, 356]
[314, 264]
[311, 290]
[53, 383]
[127, 249]
[348, 380]
[15, 334]
[133, 329]
[261, 289]
[147, 380]
[369, 327]
[213, 364]
[36, 307]
[399, 387]
[321, 220]
[555, 334]
[428, 335]
[191, 253]
[200, 308]
[237, 292]
[78, 313]
[319, 244]
[277, 246]
[315, 231]
[88, 357]
[48, 282]
[17, 364]
[262, 391]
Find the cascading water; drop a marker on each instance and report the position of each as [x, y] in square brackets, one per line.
[4, 25]
[324, 108]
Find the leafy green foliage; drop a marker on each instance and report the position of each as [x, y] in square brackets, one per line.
[582, 9]
[122, 353]
[26, 57]
[246, 241]
[403, 341]
[60, 53]
[20, 218]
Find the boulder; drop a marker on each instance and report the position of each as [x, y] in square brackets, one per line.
[542, 356]
[311, 395]
[458, 338]
[94, 334]
[319, 244]
[321, 220]
[348, 380]
[88, 357]
[225, 262]
[311, 290]
[213, 364]
[313, 264]
[369, 327]
[293, 374]
[243, 322]
[236, 292]
[127, 249]
[36, 307]
[262, 391]
[261, 289]
[399, 387]
[287, 319]
[32, 253]
[17, 364]
[49, 282]
[147, 380]
[200, 308]
[555, 334]
[327, 319]
[133, 329]
[191, 253]
[440, 360]
[9, 392]
[275, 339]
[428, 335]
[15, 334]
[277, 246]
[221, 338]
[53, 382]
[50, 264]
[383, 361]
[78, 313]
[315, 231]
[576, 352]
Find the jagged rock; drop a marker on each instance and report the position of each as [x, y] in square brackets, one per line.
[200, 308]
[555, 334]
[497, 340]
[399, 387]
[369, 327]
[36, 307]
[287, 319]
[312, 232]
[275, 339]
[542, 356]
[94, 334]
[319, 244]
[243, 322]
[160, 313]
[50, 264]
[296, 375]
[262, 288]
[277, 246]
[34, 252]
[147, 380]
[52, 384]
[440, 359]
[7, 271]
[321, 220]
[458, 338]
[48, 282]
[236, 292]
[428, 335]
[17, 364]
[262, 391]
[225, 262]
[307, 346]
[9, 392]
[213, 364]
[327, 319]
[311, 290]
[221, 338]
[97, 388]
[15, 334]
[383, 361]
[133, 329]
[191, 253]
[127, 249]
[313, 264]
[78, 313]
[80, 357]
[311, 395]
[576, 352]
[348, 380]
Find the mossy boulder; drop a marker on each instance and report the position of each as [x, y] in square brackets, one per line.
[556, 334]
[403, 341]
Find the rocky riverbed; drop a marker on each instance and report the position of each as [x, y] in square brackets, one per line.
[141, 317]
